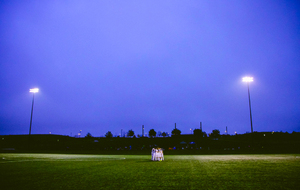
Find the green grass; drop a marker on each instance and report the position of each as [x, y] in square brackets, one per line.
[67, 171]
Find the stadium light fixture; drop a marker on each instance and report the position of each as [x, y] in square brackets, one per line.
[248, 79]
[34, 90]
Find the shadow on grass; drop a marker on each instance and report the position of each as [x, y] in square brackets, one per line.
[146, 160]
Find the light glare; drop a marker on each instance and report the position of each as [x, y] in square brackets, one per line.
[34, 90]
[248, 79]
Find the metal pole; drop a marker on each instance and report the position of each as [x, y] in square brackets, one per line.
[250, 108]
[201, 126]
[31, 114]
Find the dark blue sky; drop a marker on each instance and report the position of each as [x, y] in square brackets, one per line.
[105, 66]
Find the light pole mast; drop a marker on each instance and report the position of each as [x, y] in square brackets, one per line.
[250, 108]
[248, 80]
[34, 90]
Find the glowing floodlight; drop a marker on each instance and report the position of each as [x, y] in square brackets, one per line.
[248, 79]
[34, 90]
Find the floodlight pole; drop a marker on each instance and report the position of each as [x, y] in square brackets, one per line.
[250, 108]
[248, 80]
[31, 114]
[34, 90]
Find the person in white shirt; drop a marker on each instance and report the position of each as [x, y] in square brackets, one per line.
[161, 155]
[157, 155]
[153, 154]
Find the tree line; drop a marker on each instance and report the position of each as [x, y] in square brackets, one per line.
[152, 133]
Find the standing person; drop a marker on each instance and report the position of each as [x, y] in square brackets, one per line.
[153, 154]
[162, 155]
[158, 154]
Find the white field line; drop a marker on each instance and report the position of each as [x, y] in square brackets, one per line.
[3, 161]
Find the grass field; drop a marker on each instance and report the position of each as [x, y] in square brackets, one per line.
[68, 171]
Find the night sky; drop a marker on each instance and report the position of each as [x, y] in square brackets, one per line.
[111, 65]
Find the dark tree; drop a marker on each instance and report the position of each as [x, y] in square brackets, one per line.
[176, 132]
[88, 135]
[130, 133]
[108, 135]
[198, 133]
[215, 133]
[152, 133]
[164, 134]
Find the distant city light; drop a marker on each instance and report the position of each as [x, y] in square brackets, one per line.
[248, 79]
[34, 90]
